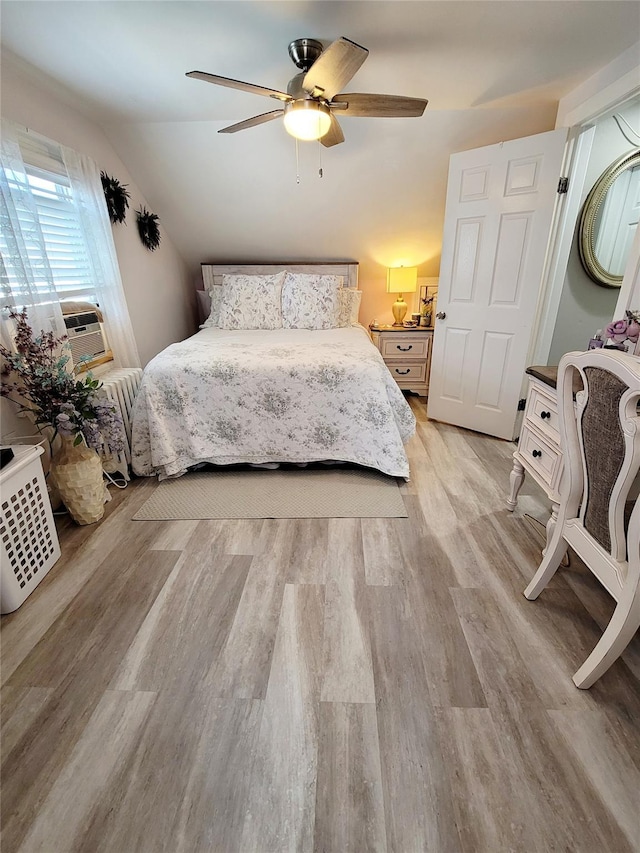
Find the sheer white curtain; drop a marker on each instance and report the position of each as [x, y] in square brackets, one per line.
[86, 186]
[25, 276]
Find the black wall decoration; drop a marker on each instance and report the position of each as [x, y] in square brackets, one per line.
[148, 228]
[117, 197]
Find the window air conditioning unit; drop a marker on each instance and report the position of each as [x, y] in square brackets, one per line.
[87, 337]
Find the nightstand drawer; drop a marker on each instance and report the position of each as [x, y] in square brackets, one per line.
[540, 455]
[542, 411]
[404, 347]
[408, 370]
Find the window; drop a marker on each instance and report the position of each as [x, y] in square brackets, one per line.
[65, 245]
[66, 249]
[56, 245]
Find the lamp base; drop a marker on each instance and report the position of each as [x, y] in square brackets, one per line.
[399, 309]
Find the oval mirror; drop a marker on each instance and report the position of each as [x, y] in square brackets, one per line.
[609, 219]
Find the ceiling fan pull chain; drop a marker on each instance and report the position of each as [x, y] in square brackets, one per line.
[320, 172]
[297, 164]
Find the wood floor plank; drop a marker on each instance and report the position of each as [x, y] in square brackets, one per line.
[347, 671]
[241, 670]
[85, 778]
[201, 600]
[174, 535]
[349, 813]
[207, 747]
[35, 762]
[308, 557]
[452, 677]
[606, 763]
[21, 706]
[381, 545]
[212, 811]
[490, 814]
[280, 805]
[554, 789]
[23, 629]
[415, 780]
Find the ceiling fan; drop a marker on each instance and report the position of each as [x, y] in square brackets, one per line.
[312, 98]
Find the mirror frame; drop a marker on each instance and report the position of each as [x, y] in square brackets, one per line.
[590, 209]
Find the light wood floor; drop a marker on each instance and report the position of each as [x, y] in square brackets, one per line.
[330, 685]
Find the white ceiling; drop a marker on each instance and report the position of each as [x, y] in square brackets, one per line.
[125, 61]
[491, 71]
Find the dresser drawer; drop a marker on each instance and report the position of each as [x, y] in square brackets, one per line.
[542, 411]
[541, 455]
[403, 371]
[404, 347]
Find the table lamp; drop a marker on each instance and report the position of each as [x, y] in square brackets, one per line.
[401, 280]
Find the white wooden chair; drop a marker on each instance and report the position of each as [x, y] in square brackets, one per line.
[600, 439]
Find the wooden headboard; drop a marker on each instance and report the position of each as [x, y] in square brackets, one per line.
[212, 273]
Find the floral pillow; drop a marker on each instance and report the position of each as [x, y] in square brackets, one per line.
[214, 298]
[348, 306]
[310, 301]
[251, 301]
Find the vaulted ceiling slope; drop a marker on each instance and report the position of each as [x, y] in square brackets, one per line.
[491, 71]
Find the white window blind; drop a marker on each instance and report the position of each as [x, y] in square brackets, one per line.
[65, 246]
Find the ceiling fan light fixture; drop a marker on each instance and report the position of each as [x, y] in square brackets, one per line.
[307, 119]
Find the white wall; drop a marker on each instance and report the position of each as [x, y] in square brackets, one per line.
[586, 306]
[381, 201]
[157, 285]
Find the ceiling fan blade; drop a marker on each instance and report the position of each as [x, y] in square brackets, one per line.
[334, 68]
[252, 122]
[379, 106]
[238, 84]
[334, 136]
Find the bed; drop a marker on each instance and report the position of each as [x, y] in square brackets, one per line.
[274, 395]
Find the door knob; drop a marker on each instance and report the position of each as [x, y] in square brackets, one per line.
[441, 315]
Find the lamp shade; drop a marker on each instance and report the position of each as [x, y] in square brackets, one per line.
[307, 119]
[402, 279]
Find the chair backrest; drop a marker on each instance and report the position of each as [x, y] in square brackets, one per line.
[600, 437]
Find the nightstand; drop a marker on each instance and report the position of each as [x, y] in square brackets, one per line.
[407, 354]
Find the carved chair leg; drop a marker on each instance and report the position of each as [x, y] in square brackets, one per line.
[554, 554]
[618, 633]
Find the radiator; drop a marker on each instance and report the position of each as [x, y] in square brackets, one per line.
[120, 387]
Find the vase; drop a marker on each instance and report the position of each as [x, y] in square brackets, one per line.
[76, 472]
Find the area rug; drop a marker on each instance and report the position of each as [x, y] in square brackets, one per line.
[334, 493]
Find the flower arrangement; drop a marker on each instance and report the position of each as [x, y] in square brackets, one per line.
[36, 379]
[426, 302]
[627, 329]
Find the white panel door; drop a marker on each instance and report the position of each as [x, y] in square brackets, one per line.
[500, 207]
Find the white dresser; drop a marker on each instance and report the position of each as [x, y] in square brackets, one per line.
[539, 452]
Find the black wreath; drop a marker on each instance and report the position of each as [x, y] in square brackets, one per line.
[148, 229]
[117, 197]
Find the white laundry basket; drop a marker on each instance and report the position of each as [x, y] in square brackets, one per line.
[30, 544]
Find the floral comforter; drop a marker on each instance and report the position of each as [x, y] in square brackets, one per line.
[287, 395]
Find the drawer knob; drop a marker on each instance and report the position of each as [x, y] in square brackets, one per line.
[536, 453]
[404, 349]
[403, 372]
[544, 415]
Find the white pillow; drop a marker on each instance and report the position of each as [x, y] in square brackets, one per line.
[349, 306]
[214, 297]
[310, 301]
[251, 301]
